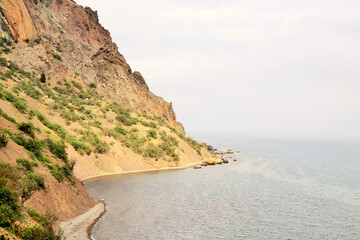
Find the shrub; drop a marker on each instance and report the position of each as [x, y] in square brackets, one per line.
[134, 129]
[13, 67]
[37, 40]
[30, 90]
[37, 232]
[20, 104]
[3, 62]
[4, 139]
[120, 130]
[4, 115]
[152, 151]
[26, 164]
[80, 146]
[8, 206]
[27, 40]
[92, 85]
[8, 74]
[126, 120]
[43, 77]
[60, 173]
[149, 124]
[32, 145]
[58, 149]
[101, 147]
[27, 128]
[45, 220]
[32, 182]
[6, 50]
[152, 134]
[57, 56]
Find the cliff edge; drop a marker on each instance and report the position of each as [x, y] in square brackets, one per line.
[71, 109]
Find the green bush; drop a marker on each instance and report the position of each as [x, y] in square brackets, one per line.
[43, 77]
[27, 128]
[80, 146]
[70, 115]
[32, 145]
[152, 134]
[30, 90]
[127, 120]
[37, 232]
[8, 206]
[6, 50]
[58, 129]
[57, 56]
[26, 164]
[152, 151]
[60, 173]
[149, 124]
[92, 85]
[45, 220]
[134, 130]
[8, 74]
[58, 149]
[7, 117]
[32, 182]
[4, 139]
[37, 40]
[13, 66]
[120, 130]
[3, 62]
[101, 147]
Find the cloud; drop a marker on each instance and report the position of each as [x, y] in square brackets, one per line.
[281, 66]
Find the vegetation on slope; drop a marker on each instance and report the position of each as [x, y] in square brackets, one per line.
[45, 117]
[146, 135]
[19, 182]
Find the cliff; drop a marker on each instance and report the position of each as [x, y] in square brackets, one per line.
[71, 108]
[74, 33]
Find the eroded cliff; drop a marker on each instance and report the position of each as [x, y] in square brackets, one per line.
[73, 33]
[71, 108]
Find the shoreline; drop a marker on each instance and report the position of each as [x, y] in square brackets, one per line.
[90, 228]
[81, 227]
[140, 171]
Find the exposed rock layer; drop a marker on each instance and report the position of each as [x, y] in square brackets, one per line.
[86, 48]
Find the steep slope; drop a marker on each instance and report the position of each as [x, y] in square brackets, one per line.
[73, 33]
[71, 108]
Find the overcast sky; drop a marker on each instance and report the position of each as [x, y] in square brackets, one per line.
[251, 66]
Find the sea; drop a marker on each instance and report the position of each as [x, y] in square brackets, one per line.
[279, 188]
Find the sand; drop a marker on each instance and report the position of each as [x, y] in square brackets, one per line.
[141, 171]
[78, 228]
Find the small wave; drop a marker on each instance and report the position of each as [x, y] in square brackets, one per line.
[269, 168]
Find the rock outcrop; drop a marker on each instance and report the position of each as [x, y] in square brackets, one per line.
[73, 34]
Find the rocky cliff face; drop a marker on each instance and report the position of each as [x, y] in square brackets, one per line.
[63, 89]
[73, 34]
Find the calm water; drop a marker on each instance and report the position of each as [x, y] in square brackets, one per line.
[278, 189]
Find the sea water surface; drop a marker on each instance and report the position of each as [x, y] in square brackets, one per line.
[278, 189]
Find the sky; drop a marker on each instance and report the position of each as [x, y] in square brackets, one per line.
[246, 66]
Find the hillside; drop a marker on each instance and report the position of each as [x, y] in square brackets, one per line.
[70, 109]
